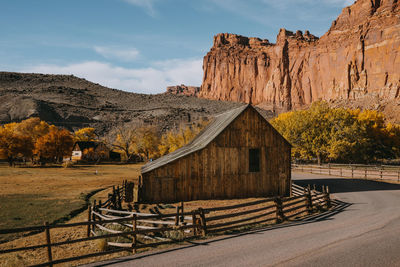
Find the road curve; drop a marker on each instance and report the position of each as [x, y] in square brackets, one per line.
[363, 230]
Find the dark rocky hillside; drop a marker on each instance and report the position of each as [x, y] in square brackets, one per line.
[72, 102]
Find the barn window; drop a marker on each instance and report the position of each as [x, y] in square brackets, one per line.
[254, 160]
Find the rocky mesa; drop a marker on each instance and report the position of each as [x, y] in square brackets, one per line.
[358, 57]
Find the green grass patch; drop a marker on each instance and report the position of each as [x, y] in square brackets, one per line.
[20, 210]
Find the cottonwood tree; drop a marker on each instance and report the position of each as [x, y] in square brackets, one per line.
[33, 127]
[85, 134]
[175, 139]
[54, 145]
[338, 134]
[122, 140]
[13, 144]
[145, 142]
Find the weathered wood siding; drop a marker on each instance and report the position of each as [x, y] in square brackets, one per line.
[221, 169]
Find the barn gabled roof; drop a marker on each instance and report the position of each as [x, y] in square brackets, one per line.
[209, 133]
[84, 145]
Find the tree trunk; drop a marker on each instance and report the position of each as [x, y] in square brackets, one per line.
[10, 161]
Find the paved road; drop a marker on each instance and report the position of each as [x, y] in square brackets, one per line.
[364, 230]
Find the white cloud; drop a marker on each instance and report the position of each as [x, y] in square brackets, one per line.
[153, 79]
[117, 53]
[148, 5]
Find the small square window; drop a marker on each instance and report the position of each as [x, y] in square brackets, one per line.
[254, 160]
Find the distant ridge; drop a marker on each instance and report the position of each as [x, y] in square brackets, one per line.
[73, 102]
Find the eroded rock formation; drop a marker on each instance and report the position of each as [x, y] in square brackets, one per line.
[183, 90]
[358, 56]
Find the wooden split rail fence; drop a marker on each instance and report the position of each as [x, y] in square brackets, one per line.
[142, 230]
[352, 171]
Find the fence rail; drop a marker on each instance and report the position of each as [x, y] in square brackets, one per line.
[353, 171]
[138, 229]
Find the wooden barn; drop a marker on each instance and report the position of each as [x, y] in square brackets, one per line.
[238, 155]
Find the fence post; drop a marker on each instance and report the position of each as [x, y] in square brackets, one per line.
[194, 223]
[398, 176]
[134, 224]
[48, 243]
[327, 198]
[365, 174]
[309, 201]
[177, 216]
[94, 208]
[89, 220]
[352, 172]
[279, 210]
[124, 186]
[329, 168]
[182, 217]
[119, 206]
[341, 170]
[203, 221]
[114, 198]
[380, 171]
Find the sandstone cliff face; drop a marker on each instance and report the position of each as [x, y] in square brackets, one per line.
[359, 56]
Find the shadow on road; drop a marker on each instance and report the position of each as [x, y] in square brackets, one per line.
[337, 206]
[343, 185]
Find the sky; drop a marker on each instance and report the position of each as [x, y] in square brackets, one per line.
[142, 46]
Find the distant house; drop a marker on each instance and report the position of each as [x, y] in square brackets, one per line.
[238, 155]
[90, 151]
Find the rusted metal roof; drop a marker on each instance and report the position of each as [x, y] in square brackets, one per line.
[209, 133]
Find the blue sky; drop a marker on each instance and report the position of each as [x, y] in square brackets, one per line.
[141, 45]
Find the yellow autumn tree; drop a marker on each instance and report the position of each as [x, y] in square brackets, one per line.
[146, 141]
[13, 144]
[85, 134]
[88, 153]
[54, 145]
[33, 127]
[339, 134]
[174, 139]
[122, 140]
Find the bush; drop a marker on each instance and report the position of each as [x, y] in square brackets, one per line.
[102, 244]
[68, 164]
[177, 235]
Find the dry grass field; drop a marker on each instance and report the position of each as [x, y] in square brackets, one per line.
[31, 195]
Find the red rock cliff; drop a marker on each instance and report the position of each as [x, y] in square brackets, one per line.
[358, 56]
